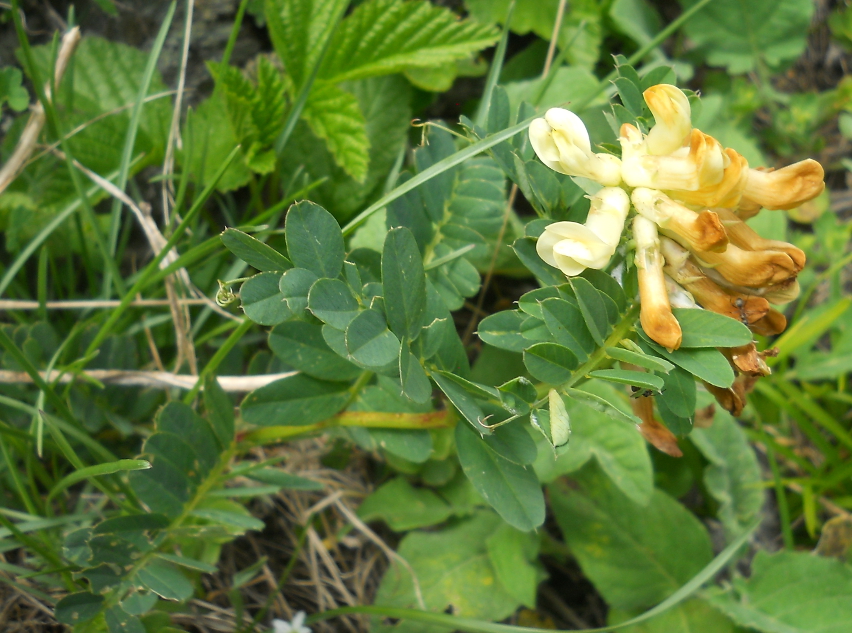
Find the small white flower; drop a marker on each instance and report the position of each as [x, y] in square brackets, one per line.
[562, 143]
[296, 626]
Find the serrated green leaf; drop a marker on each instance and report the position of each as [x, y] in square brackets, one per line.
[302, 346]
[254, 252]
[382, 37]
[791, 592]
[512, 490]
[331, 301]
[404, 283]
[369, 341]
[335, 116]
[314, 240]
[550, 363]
[626, 549]
[740, 36]
[262, 300]
[294, 401]
[703, 328]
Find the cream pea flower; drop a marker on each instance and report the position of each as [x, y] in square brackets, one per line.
[673, 118]
[562, 143]
[572, 247]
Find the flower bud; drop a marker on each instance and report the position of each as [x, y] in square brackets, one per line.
[672, 116]
[699, 231]
[562, 143]
[656, 312]
[572, 247]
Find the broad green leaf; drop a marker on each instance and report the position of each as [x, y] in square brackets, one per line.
[331, 301]
[692, 616]
[298, 29]
[453, 568]
[369, 341]
[165, 581]
[415, 383]
[679, 393]
[706, 364]
[476, 390]
[314, 240]
[510, 489]
[642, 360]
[254, 252]
[550, 363]
[302, 346]
[294, 401]
[704, 328]
[404, 283]
[619, 450]
[638, 20]
[180, 419]
[334, 116]
[464, 402]
[382, 37]
[77, 608]
[262, 300]
[677, 424]
[513, 555]
[295, 284]
[630, 96]
[404, 507]
[503, 330]
[791, 592]
[629, 377]
[635, 556]
[592, 307]
[733, 475]
[565, 322]
[220, 411]
[740, 36]
[412, 445]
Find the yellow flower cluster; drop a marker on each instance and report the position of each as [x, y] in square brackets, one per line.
[691, 197]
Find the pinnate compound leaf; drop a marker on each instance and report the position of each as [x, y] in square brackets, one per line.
[254, 252]
[297, 400]
[262, 300]
[404, 283]
[733, 475]
[452, 567]
[791, 592]
[628, 551]
[382, 37]
[703, 328]
[314, 239]
[512, 490]
[740, 35]
[404, 507]
[335, 116]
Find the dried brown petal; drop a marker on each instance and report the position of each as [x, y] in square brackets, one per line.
[784, 188]
[745, 237]
[745, 359]
[730, 400]
[773, 323]
[653, 431]
[752, 269]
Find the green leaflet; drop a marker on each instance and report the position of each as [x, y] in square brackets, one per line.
[404, 283]
[302, 346]
[254, 252]
[11, 90]
[294, 401]
[404, 507]
[693, 616]
[741, 35]
[314, 240]
[262, 300]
